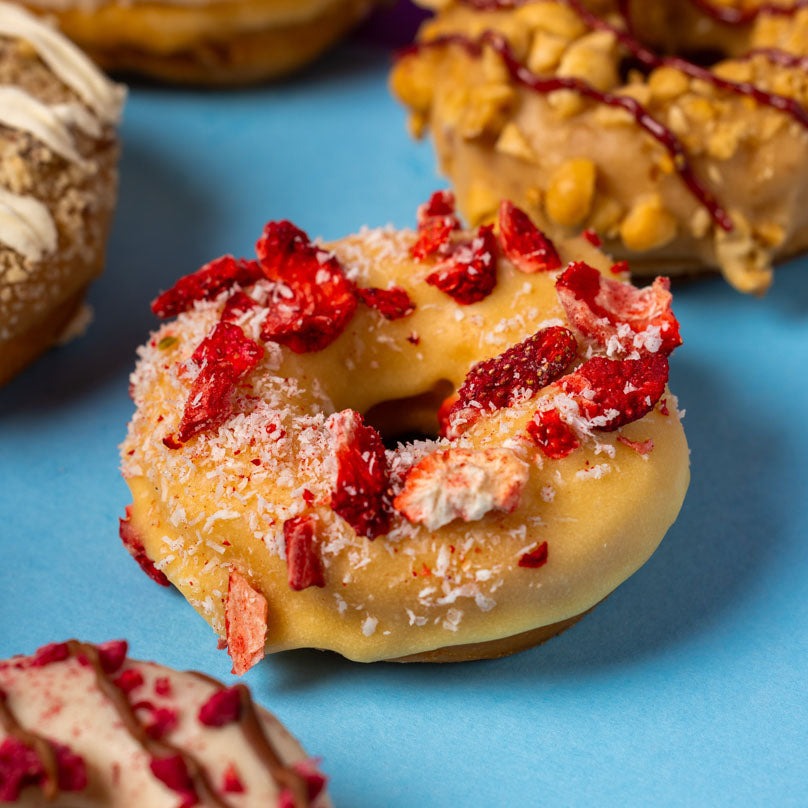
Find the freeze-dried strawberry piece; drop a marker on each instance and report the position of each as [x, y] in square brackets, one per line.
[112, 655]
[641, 447]
[172, 771]
[552, 435]
[129, 680]
[20, 767]
[237, 304]
[436, 221]
[613, 392]
[225, 356]
[231, 782]
[617, 315]
[525, 246]
[462, 484]
[245, 620]
[313, 301]
[161, 720]
[50, 653]
[535, 558]
[469, 273]
[223, 707]
[361, 491]
[134, 544]
[392, 304]
[205, 284]
[315, 779]
[305, 567]
[520, 371]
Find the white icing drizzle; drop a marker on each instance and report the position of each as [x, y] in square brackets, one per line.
[26, 225]
[19, 110]
[71, 66]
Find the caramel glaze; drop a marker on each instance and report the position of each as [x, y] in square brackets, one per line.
[646, 57]
[248, 719]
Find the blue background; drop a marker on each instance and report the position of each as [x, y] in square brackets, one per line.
[686, 687]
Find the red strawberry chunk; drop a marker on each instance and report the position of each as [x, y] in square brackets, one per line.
[613, 392]
[525, 246]
[245, 618]
[173, 772]
[392, 304]
[205, 284]
[469, 273]
[50, 653]
[129, 680]
[523, 368]
[112, 655]
[134, 544]
[535, 558]
[361, 494]
[237, 304]
[598, 306]
[226, 355]
[436, 221]
[305, 566]
[555, 438]
[313, 301]
[223, 707]
[231, 782]
[20, 766]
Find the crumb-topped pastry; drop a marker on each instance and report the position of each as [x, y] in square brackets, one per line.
[58, 183]
[86, 725]
[565, 107]
[277, 482]
[205, 41]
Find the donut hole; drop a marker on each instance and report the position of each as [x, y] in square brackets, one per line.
[401, 420]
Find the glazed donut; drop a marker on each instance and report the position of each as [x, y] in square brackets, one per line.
[563, 107]
[84, 724]
[205, 41]
[58, 183]
[536, 456]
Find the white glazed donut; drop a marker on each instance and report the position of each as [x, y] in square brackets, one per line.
[85, 725]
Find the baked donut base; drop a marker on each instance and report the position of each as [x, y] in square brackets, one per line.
[19, 351]
[495, 649]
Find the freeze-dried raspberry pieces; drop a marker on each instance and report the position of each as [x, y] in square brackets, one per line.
[313, 301]
[225, 356]
[536, 558]
[20, 767]
[469, 272]
[462, 484]
[237, 304]
[436, 221]
[617, 315]
[392, 304]
[205, 284]
[173, 772]
[361, 491]
[245, 620]
[520, 371]
[523, 244]
[304, 565]
[134, 544]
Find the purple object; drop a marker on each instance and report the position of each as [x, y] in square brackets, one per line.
[393, 24]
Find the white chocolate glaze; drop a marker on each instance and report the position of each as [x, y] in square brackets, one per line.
[26, 226]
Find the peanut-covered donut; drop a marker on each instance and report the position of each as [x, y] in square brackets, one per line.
[285, 461]
[205, 41]
[85, 725]
[58, 183]
[565, 107]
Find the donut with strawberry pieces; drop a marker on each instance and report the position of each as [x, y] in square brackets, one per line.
[431, 444]
[86, 725]
[590, 114]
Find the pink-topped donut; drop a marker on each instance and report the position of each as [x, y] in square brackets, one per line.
[421, 444]
[84, 724]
